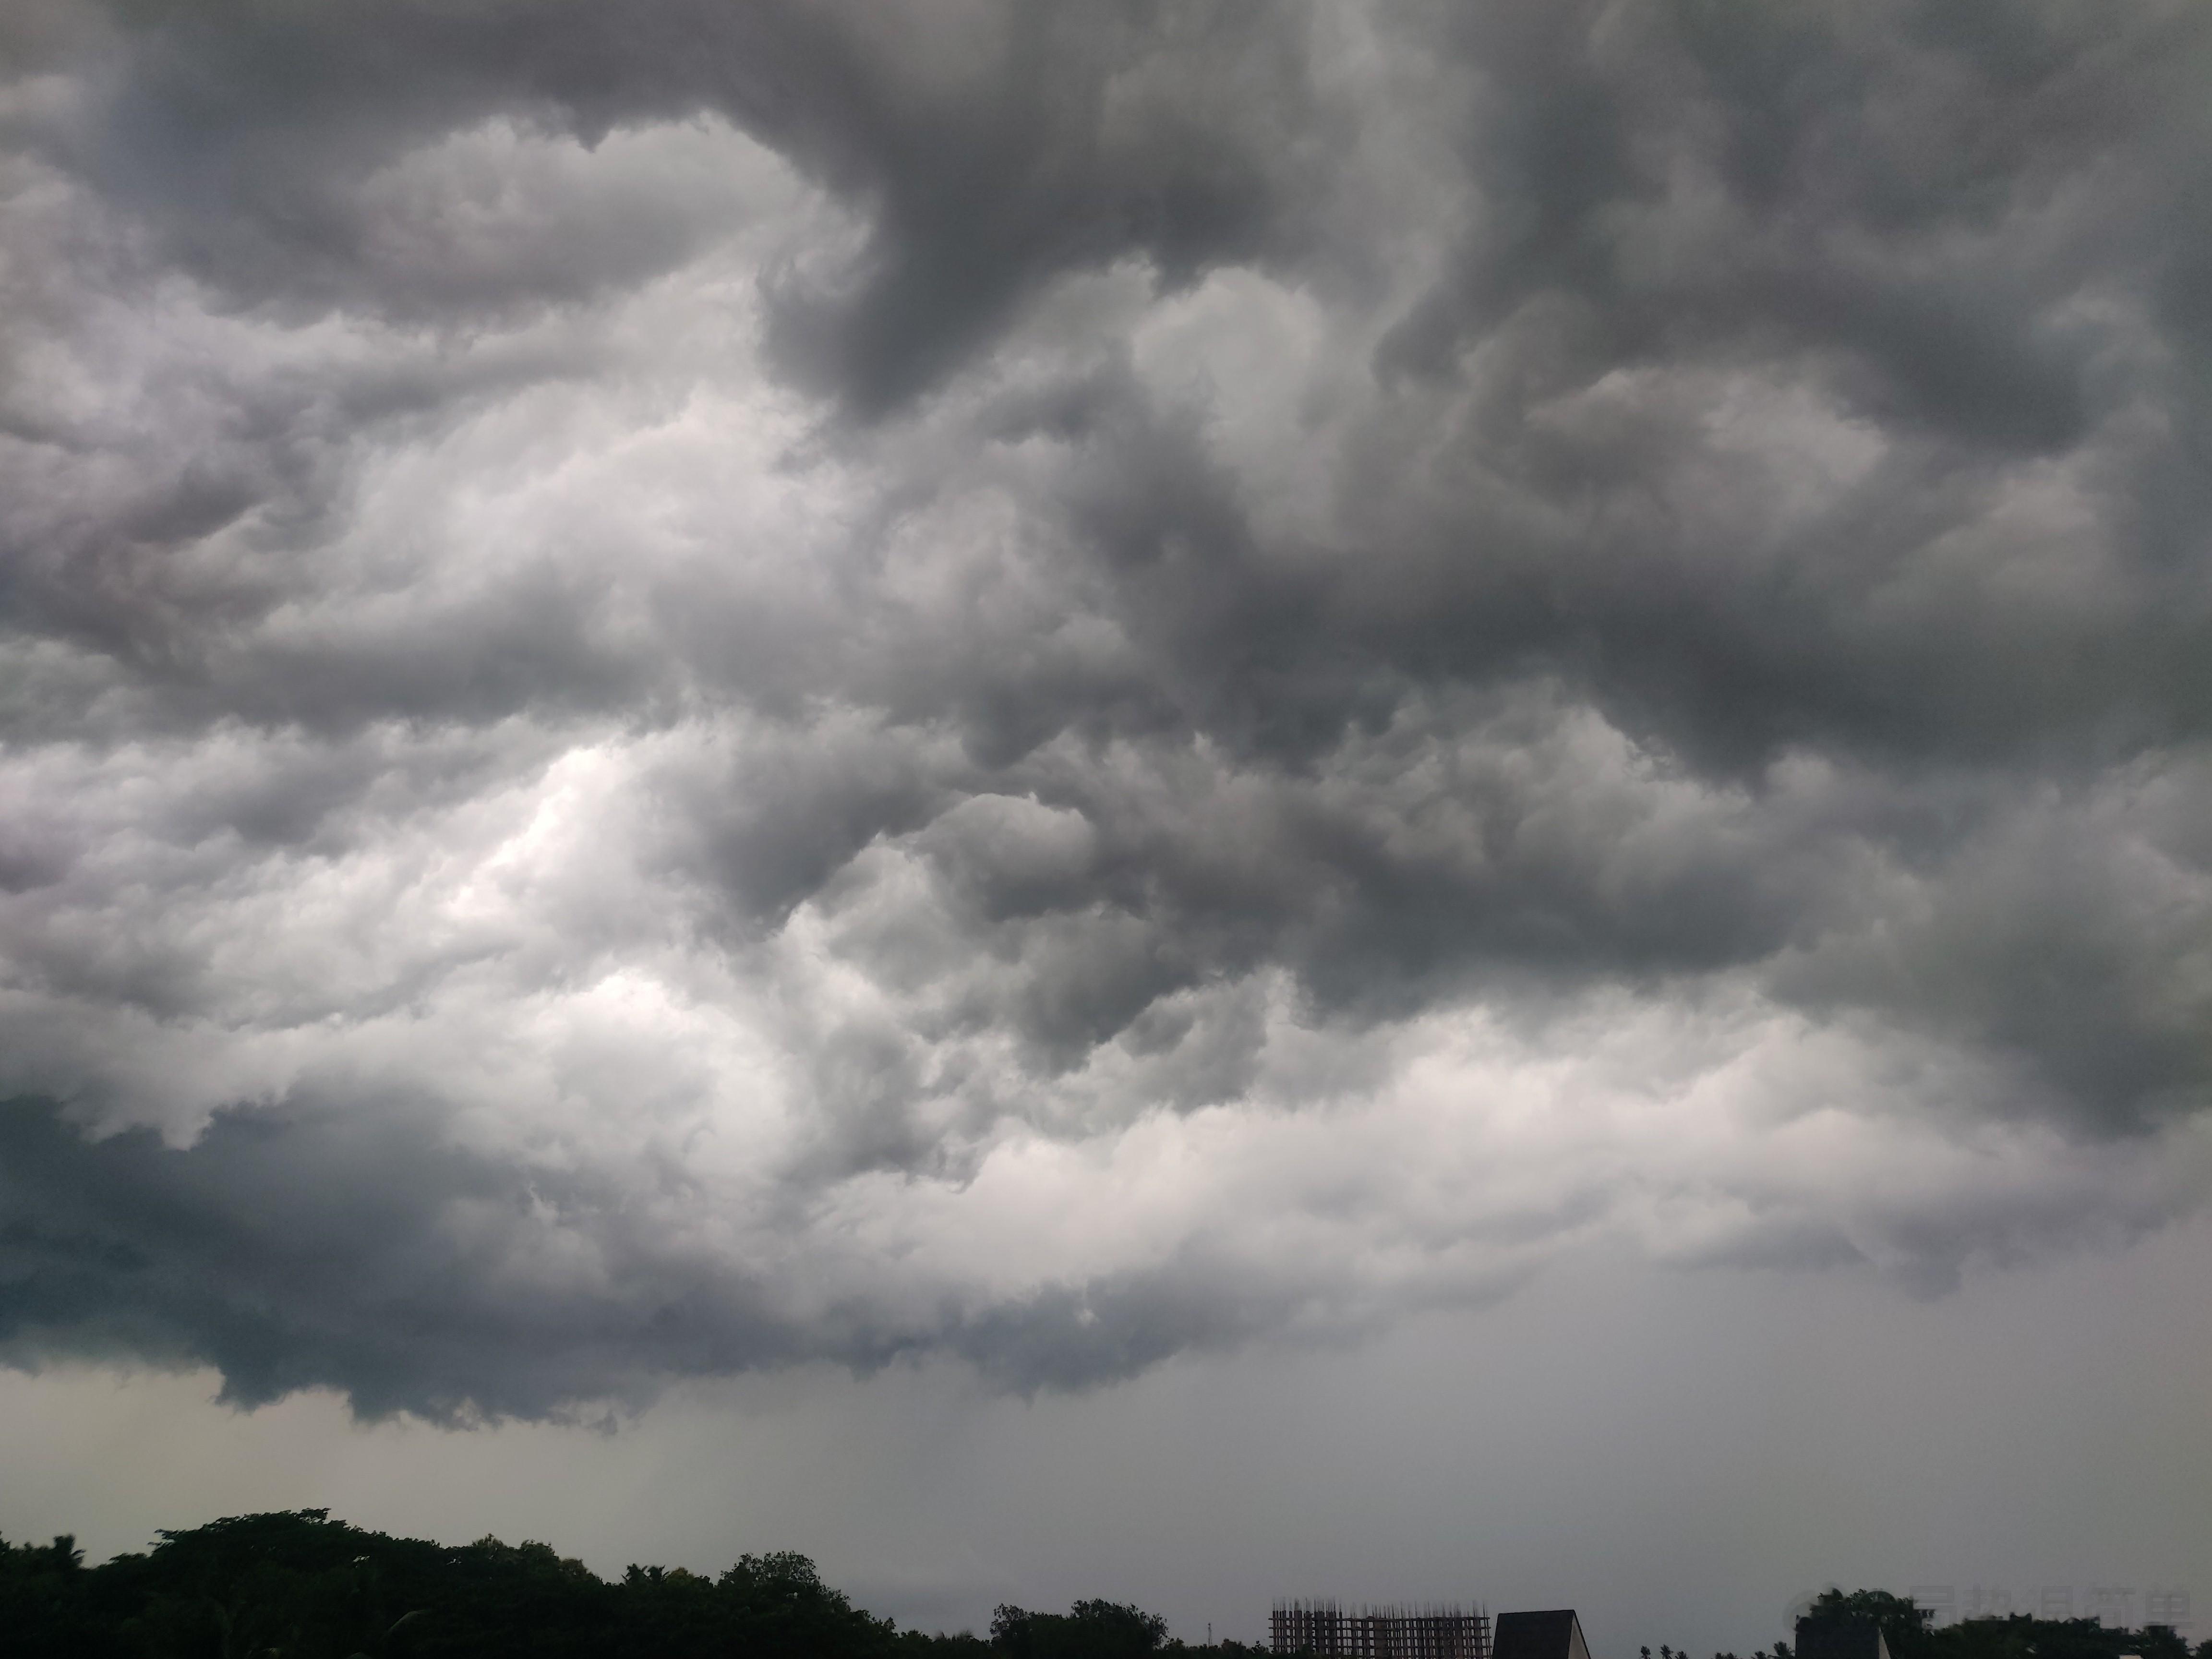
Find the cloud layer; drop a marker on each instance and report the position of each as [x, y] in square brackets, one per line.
[691, 687]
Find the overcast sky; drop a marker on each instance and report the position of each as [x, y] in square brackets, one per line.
[1180, 800]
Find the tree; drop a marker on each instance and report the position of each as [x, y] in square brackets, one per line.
[1089, 1629]
[1903, 1622]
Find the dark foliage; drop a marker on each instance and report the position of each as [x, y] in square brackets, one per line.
[1089, 1629]
[302, 1586]
[1905, 1628]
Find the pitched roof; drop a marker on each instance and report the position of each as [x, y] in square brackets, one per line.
[1840, 1638]
[1556, 1634]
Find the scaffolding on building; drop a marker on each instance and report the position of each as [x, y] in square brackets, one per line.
[1438, 1631]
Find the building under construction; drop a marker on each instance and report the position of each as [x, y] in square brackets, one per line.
[1447, 1632]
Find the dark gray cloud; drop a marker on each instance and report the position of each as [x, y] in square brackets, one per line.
[689, 688]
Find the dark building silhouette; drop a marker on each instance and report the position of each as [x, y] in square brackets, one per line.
[1448, 1631]
[1556, 1634]
[1831, 1637]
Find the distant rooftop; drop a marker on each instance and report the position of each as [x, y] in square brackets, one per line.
[1833, 1637]
[1555, 1634]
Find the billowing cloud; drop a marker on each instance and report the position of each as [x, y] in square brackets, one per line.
[692, 687]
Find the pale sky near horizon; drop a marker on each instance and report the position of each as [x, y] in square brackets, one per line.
[986, 759]
[1683, 1458]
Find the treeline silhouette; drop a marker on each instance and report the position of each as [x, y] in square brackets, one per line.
[299, 1585]
[1907, 1630]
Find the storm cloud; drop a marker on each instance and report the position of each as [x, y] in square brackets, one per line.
[691, 687]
